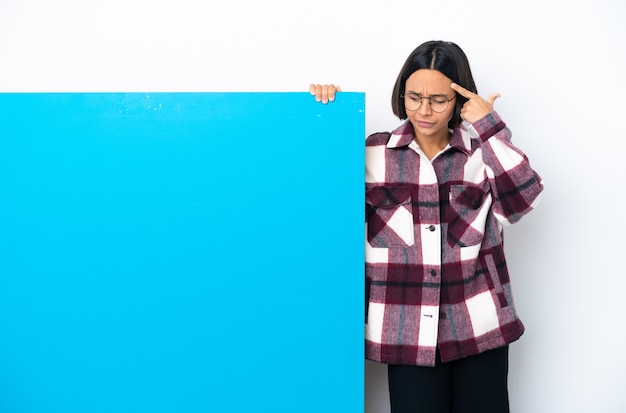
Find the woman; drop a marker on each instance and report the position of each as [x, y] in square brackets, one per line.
[439, 189]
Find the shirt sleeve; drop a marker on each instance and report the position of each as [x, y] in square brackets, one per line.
[515, 185]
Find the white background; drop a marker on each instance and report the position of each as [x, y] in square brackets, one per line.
[559, 65]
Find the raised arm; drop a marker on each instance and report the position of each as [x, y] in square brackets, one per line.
[515, 185]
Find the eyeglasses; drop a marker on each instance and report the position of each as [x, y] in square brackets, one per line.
[438, 103]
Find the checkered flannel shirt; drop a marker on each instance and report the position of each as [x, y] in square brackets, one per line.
[436, 274]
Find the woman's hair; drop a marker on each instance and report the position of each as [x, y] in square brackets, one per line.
[447, 58]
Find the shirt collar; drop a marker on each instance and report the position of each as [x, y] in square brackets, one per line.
[404, 135]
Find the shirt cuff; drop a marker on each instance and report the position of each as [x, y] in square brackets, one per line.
[485, 127]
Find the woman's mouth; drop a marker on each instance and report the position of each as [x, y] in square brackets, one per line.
[424, 124]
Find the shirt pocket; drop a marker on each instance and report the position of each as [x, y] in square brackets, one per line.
[389, 216]
[467, 214]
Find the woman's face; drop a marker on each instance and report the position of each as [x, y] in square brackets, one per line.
[426, 120]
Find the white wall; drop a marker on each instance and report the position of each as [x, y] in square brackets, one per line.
[560, 68]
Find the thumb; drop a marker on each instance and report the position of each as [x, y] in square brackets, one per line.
[492, 98]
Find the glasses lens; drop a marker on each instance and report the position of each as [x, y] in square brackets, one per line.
[438, 103]
[412, 102]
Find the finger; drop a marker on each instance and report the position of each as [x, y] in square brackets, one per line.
[326, 92]
[316, 90]
[462, 91]
[492, 98]
[332, 91]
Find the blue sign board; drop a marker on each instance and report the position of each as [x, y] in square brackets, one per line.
[181, 252]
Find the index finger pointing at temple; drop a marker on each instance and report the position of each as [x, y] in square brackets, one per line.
[462, 91]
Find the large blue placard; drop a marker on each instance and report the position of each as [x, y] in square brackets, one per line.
[181, 252]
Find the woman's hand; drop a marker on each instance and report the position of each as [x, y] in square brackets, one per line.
[475, 107]
[324, 93]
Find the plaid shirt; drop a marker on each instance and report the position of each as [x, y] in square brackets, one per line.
[436, 274]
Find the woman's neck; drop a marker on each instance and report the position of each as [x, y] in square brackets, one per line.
[432, 145]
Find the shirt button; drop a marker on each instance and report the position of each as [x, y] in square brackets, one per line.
[431, 228]
[442, 315]
[433, 273]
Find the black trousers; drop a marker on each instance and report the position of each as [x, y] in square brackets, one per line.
[475, 384]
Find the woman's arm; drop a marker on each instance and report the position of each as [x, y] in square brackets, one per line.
[514, 184]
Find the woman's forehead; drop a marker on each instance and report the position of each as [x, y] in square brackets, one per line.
[427, 81]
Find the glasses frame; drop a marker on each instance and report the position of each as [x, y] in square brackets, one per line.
[430, 101]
